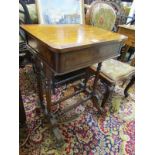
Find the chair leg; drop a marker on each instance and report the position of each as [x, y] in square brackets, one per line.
[132, 81]
[108, 95]
[105, 98]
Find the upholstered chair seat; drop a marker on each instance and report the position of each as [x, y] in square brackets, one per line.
[116, 70]
[112, 72]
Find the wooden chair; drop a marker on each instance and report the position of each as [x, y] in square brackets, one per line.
[101, 14]
[112, 72]
[114, 9]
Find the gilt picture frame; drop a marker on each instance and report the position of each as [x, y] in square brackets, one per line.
[60, 11]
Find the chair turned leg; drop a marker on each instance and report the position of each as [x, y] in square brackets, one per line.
[132, 81]
[108, 94]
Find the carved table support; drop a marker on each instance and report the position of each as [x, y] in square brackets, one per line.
[39, 82]
[54, 123]
[51, 117]
[48, 88]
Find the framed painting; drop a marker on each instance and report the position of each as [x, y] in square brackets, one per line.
[60, 11]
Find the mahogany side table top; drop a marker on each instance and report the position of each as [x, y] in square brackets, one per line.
[70, 47]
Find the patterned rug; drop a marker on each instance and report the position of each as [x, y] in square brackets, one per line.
[112, 133]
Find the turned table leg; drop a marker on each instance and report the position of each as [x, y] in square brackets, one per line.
[39, 82]
[54, 123]
[48, 88]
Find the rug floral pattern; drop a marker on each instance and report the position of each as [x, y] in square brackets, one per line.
[112, 133]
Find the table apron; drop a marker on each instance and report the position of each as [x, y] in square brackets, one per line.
[66, 62]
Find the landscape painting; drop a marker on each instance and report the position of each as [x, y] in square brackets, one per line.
[60, 11]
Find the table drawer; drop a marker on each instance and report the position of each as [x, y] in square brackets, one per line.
[43, 51]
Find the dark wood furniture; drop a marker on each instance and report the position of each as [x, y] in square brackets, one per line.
[128, 30]
[113, 72]
[60, 46]
[62, 49]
